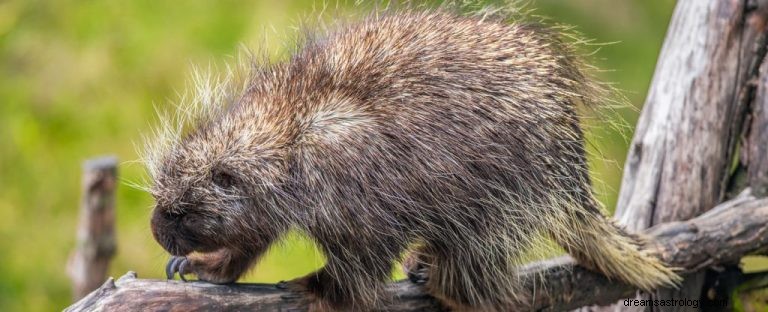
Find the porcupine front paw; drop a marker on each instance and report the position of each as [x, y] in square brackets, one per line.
[220, 267]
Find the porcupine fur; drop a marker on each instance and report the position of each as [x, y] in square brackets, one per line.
[455, 136]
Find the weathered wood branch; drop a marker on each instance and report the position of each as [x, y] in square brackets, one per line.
[96, 245]
[722, 235]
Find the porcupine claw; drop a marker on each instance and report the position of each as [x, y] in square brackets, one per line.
[182, 267]
[176, 264]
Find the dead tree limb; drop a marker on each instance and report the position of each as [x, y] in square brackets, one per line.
[722, 235]
[89, 261]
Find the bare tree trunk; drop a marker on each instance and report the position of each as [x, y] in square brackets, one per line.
[89, 262]
[754, 154]
[679, 160]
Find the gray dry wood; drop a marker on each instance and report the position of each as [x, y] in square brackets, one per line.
[755, 151]
[88, 263]
[722, 235]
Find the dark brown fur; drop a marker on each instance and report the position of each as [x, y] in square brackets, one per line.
[456, 134]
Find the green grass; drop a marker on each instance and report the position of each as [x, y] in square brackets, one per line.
[79, 79]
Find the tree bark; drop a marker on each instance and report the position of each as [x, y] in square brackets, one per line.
[755, 152]
[88, 263]
[678, 162]
[722, 235]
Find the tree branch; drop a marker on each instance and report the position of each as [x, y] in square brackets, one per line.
[722, 235]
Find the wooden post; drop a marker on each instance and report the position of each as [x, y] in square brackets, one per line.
[89, 262]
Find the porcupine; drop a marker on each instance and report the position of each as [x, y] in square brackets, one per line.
[454, 136]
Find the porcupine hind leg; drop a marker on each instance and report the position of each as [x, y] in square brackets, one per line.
[350, 280]
[467, 276]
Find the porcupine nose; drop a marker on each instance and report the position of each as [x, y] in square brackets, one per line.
[161, 223]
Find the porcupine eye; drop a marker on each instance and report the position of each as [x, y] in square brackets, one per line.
[172, 215]
[223, 180]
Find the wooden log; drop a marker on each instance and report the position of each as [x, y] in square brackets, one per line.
[88, 263]
[722, 235]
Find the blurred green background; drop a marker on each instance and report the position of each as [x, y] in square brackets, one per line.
[79, 79]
